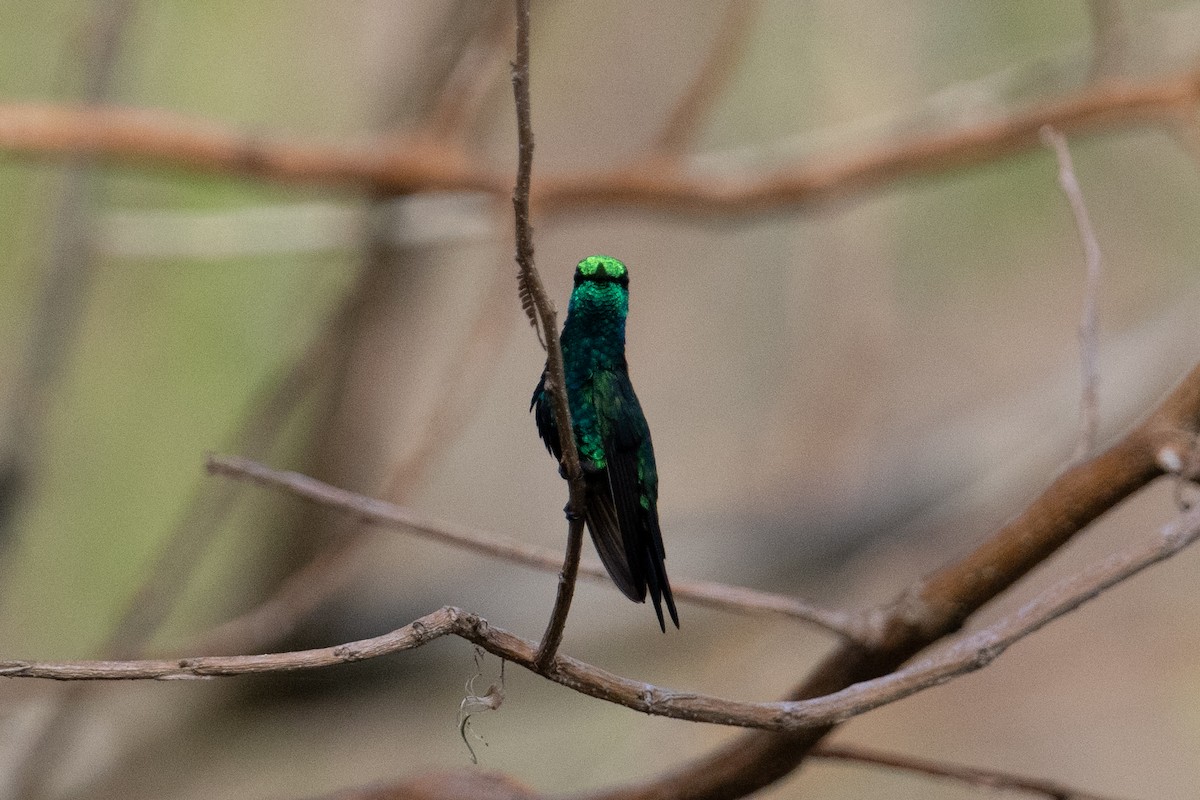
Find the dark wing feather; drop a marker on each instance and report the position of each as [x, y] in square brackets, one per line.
[606, 535]
[630, 457]
[601, 515]
[624, 492]
[656, 572]
[543, 415]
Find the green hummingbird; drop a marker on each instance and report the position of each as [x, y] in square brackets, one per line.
[611, 433]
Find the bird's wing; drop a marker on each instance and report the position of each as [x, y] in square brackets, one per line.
[622, 431]
[543, 415]
[634, 484]
[606, 535]
[601, 513]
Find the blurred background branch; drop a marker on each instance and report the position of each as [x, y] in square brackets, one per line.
[148, 138]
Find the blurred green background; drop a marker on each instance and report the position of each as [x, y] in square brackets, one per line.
[842, 396]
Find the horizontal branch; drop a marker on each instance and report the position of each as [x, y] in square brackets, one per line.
[150, 137]
[378, 512]
[404, 165]
[969, 654]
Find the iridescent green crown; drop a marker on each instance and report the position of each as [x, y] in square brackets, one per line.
[601, 269]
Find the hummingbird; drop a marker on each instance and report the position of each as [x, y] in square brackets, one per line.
[611, 433]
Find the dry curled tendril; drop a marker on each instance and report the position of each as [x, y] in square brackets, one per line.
[474, 704]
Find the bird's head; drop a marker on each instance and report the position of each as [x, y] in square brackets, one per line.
[601, 288]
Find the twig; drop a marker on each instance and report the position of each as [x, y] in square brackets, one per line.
[541, 310]
[534, 301]
[162, 139]
[552, 638]
[971, 776]
[971, 653]
[473, 703]
[714, 595]
[723, 56]
[1088, 349]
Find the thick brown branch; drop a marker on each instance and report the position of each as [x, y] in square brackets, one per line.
[162, 139]
[938, 605]
[714, 595]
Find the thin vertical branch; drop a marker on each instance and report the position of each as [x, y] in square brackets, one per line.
[541, 310]
[552, 638]
[1088, 326]
[532, 293]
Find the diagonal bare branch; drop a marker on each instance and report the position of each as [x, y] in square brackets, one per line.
[714, 595]
[970, 776]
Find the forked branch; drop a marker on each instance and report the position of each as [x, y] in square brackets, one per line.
[971, 653]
